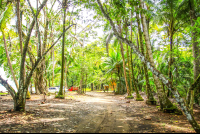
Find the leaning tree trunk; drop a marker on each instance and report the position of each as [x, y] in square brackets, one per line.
[175, 92]
[9, 62]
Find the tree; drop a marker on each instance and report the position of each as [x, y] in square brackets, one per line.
[64, 4]
[19, 97]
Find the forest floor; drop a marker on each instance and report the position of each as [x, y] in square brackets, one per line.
[93, 112]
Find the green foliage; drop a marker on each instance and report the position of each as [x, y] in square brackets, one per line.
[5, 16]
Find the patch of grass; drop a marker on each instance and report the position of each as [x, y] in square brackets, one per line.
[129, 97]
[3, 93]
[139, 99]
[60, 96]
[157, 106]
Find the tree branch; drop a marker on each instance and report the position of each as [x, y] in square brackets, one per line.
[22, 67]
[40, 58]
[8, 87]
[197, 81]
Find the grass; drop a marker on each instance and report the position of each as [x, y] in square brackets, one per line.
[3, 93]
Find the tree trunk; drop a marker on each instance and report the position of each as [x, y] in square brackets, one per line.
[9, 62]
[148, 88]
[171, 56]
[195, 48]
[124, 66]
[63, 49]
[92, 87]
[53, 66]
[19, 26]
[81, 84]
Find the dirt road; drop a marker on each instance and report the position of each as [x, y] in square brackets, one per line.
[95, 112]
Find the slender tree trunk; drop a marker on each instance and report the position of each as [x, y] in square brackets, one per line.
[128, 61]
[138, 96]
[124, 66]
[9, 62]
[53, 58]
[63, 48]
[81, 83]
[170, 59]
[195, 48]
[148, 88]
[19, 26]
[92, 86]
[119, 84]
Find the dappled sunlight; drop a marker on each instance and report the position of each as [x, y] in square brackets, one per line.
[53, 110]
[59, 105]
[121, 119]
[49, 119]
[99, 100]
[172, 126]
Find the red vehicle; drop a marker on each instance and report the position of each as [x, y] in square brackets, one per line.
[73, 88]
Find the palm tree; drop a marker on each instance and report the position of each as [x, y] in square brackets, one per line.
[169, 14]
[113, 64]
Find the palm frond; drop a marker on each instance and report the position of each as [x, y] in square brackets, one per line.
[5, 17]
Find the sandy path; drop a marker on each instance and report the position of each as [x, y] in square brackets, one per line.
[95, 112]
